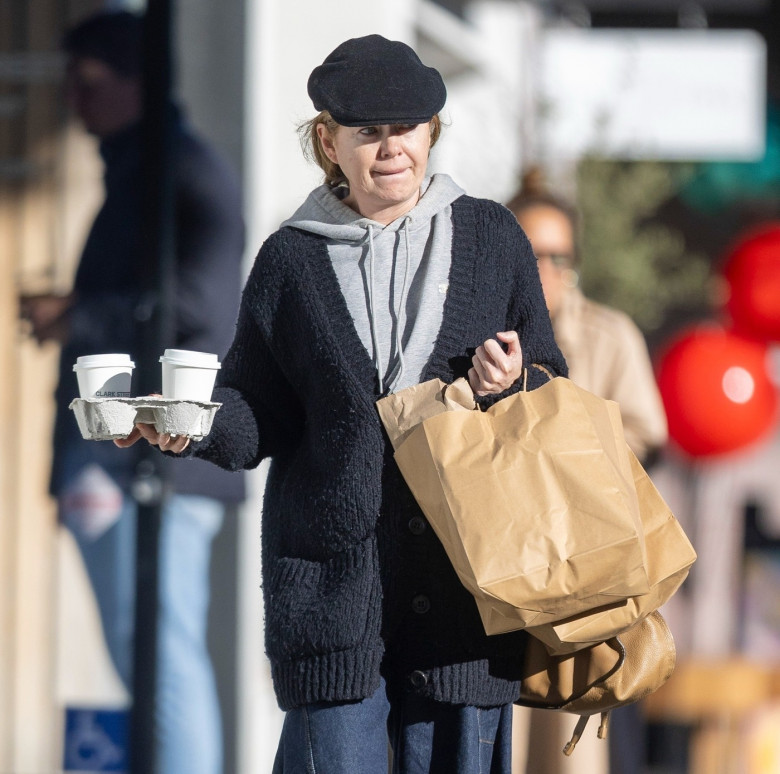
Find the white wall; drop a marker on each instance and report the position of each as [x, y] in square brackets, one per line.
[490, 104]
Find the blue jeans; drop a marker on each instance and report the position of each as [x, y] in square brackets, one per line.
[425, 738]
[188, 718]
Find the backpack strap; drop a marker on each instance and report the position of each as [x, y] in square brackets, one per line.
[568, 748]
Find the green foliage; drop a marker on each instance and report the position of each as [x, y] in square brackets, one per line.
[631, 260]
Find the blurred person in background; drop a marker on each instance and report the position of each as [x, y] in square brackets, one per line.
[607, 355]
[92, 481]
[605, 350]
[383, 278]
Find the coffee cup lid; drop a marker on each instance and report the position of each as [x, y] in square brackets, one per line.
[101, 361]
[189, 357]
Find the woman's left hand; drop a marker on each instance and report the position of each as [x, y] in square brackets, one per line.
[495, 370]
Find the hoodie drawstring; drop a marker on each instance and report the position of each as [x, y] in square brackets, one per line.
[372, 315]
[402, 310]
[398, 370]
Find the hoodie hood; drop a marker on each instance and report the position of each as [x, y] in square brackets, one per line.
[325, 213]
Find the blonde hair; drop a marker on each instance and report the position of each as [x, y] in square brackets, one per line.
[313, 150]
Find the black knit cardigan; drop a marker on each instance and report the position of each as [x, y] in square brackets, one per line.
[355, 583]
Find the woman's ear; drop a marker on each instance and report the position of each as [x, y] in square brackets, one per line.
[326, 141]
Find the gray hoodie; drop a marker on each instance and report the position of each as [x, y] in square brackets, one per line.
[394, 278]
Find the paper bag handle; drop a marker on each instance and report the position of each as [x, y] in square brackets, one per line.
[538, 368]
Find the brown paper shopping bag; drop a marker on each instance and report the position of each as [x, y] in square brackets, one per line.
[531, 498]
[669, 558]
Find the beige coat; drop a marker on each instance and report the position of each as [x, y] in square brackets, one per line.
[607, 355]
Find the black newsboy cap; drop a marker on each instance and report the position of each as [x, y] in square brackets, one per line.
[372, 80]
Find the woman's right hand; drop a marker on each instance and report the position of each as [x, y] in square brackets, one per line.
[166, 442]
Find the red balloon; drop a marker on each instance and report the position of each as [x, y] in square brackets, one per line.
[752, 274]
[716, 390]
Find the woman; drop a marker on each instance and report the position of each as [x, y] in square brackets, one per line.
[604, 349]
[382, 279]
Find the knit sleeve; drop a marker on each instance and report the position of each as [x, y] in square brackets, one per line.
[527, 312]
[260, 414]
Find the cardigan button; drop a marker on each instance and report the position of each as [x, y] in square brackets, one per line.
[417, 525]
[418, 679]
[421, 604]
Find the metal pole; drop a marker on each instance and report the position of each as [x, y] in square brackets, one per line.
[157, 331]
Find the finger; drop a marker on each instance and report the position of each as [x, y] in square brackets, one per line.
[478, 361]
[485, 355]
[182, 442]
[512, 340]
[149, 432]
[174, 443]
[473, 379]
[484, 382]
[124, 443]
[497, 358]
[493, 375]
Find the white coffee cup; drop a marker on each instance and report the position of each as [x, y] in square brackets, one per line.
[188, 375]
[104, 376]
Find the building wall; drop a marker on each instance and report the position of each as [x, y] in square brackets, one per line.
[209, 40]
[41, 221]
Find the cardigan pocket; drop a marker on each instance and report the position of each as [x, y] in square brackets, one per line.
[313, 608]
